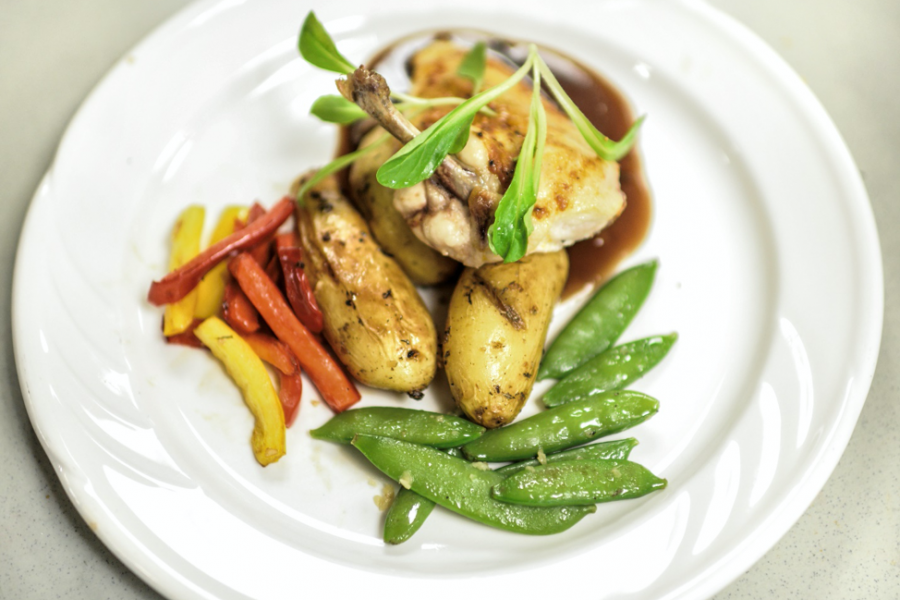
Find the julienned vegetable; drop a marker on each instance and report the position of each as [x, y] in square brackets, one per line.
[461, 487]
[179, 315]
[211, 288]
[296, 284]
[565, 426]
[600, 322]
[178, 283]
[251, 377]
[328, 377]
[238, 311]
[416, 426]
[613, 369]
[577, 482]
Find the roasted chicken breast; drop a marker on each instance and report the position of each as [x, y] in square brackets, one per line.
[579, 192]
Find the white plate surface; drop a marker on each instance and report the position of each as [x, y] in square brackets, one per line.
[770, 271]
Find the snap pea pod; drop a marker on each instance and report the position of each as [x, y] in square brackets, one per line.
[564, 426]
[578, 482]
[405, 516]
[614, 450]
[462, 487]
[600, 322]
[409, 511]
[416, 426]
[613, 369]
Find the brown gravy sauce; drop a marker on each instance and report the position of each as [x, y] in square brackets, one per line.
[594, 260]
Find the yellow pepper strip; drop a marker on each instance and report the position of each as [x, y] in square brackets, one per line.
[248, 372]
[185, 246]
[211, 288]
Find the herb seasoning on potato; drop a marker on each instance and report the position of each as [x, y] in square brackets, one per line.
[375, 320]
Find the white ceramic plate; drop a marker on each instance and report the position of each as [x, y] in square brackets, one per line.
[770, 271]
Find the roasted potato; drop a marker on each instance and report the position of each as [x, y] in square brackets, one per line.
[495, 333]
[374, 318]
[423, 264]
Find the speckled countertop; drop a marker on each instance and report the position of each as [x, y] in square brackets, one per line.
[846, 546]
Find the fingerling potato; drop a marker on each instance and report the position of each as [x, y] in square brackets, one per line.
[496, 328]
[374, 318]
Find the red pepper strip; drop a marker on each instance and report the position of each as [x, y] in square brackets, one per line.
[238, 311]
[176, 285]
[290, 392]
[273, 351]
[187, 337]
[288, 239]
[273, 270]
[263, 250]
[324, 371]
[255, 213]
[296, 284]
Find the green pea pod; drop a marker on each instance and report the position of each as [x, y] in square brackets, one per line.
[416, 426]
[456, 452]
[567, 425]
[614, 450]
[462, 487]
[578, 482]
[405, 516]
[611, 370]
[409, 511]
[600, 322]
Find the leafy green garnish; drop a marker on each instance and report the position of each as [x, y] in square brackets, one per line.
[420, 157]
[336, 165]
[472, 66]
[317, 47]
[605, 148]
[337, 109]
[508, 234]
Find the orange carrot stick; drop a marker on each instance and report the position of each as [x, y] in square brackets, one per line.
[324, 371]
[273, 351]
[290, 392]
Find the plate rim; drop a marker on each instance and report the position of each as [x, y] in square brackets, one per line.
[817, 472]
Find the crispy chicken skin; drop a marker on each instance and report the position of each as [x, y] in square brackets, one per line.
[579, 192]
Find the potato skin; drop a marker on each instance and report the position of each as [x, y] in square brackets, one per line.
[495, 333]
[423, 264]
[374, 318]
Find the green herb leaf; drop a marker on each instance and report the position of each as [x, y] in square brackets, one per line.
[317, 47]
[418, 159]
[337, 109]
[472, 66]
[336, 165]
[605, 148]
[508, 234]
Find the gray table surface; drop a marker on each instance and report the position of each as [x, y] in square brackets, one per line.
[847, 545]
